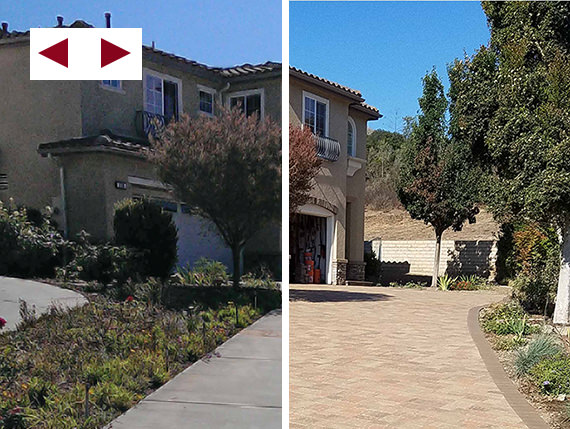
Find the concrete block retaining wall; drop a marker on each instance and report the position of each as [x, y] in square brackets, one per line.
[400, 259]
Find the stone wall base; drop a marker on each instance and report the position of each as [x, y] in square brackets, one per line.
[355, 271]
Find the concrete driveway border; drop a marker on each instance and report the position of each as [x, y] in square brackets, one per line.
[528, 414]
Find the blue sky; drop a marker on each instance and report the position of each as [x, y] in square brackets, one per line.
[219, 33]
[384, 48]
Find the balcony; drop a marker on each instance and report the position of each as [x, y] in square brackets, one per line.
[327, 148]
[149, 123]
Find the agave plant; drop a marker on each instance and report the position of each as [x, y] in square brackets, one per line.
[542, 347]
[445, 282]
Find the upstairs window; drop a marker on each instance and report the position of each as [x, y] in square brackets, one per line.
[249, 102]
[315, 114]
[351, 138]
[206, 99]
[162, 95]
[112, 84]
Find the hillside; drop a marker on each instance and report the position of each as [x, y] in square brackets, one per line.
[396, 224]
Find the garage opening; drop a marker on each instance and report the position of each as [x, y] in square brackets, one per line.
[308, 249]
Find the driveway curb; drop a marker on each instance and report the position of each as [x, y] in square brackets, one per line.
[516, 400]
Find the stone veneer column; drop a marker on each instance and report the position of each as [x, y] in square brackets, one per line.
[339, 271]
[355, 270]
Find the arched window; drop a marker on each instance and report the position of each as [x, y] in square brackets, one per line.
[351, 138]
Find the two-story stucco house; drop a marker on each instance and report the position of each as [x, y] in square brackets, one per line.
[327, 235]
[80, 146]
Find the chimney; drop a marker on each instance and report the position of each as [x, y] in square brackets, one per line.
[4, 28]
[108, 19]
[59, 21]
[153, 44]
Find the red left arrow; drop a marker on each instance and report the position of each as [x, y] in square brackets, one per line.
[111, 53]
[57, 52]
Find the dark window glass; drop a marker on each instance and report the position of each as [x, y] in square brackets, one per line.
[253, 104]
[170, 101]
[206, 102]
[321, 119]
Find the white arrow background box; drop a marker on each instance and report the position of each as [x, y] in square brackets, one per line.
[84, 54]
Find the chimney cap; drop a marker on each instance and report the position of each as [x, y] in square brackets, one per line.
[59, 20]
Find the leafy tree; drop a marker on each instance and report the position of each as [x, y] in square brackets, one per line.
[437, 182]
[227, 169]
[304, 165]
[520, 118]
[383, 153]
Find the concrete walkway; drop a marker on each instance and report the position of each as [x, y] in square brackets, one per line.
[36, 294]
[239, 388]
[366, 357]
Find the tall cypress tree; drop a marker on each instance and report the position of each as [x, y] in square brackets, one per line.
[437, 183]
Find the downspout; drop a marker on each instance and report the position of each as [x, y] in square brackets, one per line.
[62, 191]
[221, 91]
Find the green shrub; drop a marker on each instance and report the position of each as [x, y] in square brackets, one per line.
[143, 225]
[27, 249]
[109, 395]
[509, 342]
[552, 375]
[507, 319]
[538, 349]
[372, 270]
[471, 282]
[260, 278]
[213, 273]
[529, 255]
[39, 390]
[445, 282]
[103, 263]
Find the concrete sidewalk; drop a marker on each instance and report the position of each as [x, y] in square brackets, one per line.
[36, 294]
[240, 388]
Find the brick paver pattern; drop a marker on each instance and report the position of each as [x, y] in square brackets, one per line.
[363, 357]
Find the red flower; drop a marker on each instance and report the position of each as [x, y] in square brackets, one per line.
[2, 322]
[130, 298]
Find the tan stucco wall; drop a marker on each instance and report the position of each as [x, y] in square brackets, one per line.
[91, 193]
[32, 112]
[332, 184]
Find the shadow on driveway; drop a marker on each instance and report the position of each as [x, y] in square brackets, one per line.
[334, 296]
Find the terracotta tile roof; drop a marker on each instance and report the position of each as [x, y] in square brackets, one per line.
[353, 92]
[328, 82]
[106, 141]
[11, 35]
[249, 69]
[227, 72]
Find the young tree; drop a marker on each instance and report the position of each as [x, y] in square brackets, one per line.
[437, 183]
[524, 121]
[304, 165]
[227, 169]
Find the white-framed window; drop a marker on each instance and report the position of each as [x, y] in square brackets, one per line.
[316, 113]
[112, 85]
[162, 94]
[351, 137]
[250, 101]
[206, 98]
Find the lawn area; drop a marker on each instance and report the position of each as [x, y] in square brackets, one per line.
[84, 367]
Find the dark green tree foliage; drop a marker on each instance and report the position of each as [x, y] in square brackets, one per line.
[144, 225]
[518, 106]
[438, 183]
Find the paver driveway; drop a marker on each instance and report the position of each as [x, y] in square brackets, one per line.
[365, 357]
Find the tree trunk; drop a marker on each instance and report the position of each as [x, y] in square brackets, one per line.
[436, 259]
[236, 255]
[562, 309]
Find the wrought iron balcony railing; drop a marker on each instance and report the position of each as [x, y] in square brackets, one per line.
[327, 148]
[149, 123]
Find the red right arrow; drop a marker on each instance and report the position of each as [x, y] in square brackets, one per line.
[57, 53]
[111, 53]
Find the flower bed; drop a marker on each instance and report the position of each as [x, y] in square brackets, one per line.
[534, 355]
[113, 353]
